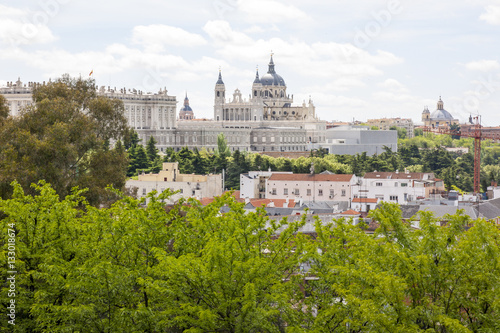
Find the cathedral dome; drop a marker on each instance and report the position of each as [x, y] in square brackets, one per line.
[271, 78]
[441, 113]
[186, 106]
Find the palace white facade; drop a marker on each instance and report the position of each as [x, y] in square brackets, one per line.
[18, 95]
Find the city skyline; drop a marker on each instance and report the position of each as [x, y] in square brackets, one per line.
[362, 60]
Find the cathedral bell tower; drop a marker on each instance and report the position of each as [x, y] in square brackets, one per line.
[220, 92]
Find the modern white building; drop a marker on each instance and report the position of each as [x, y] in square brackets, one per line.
[188, 185]
[353, 140]
[398, 187]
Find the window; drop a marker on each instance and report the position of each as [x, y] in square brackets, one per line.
[296, 191]
[320, 192]
[143, 191]
[308, 192]
[343, 193]
[273, 191]
[396, 184]
[404, 184]
[285, 191]
[393, 198]
[378, 184]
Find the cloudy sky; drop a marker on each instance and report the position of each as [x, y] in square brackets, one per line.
[358, 59]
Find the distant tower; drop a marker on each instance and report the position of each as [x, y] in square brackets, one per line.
[256, 98]
[220, 92]
[186, 113]
[425, 116]
[440, 104]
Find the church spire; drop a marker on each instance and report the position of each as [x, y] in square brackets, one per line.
[219, 81]
[257, 79]
[271, 65]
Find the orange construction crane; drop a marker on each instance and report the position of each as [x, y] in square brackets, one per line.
[478, 135]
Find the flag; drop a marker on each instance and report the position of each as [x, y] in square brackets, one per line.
[91, 72]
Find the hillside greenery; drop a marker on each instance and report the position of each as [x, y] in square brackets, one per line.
[187, 268]
[419, 154]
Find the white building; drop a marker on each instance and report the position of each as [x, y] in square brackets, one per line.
[358, 139]
[311, 187]
[188, 185]
[399, 187]
[253, 183]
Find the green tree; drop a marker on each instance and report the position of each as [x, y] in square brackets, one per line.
[455, 128]
[228, 273]
[138, 160]
[4, 109]
[62, 139]
[222, 153]
[130, 138]
[151, 150]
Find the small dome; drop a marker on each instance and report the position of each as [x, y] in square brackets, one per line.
[186, 106]
[441, 114]
[271, 78]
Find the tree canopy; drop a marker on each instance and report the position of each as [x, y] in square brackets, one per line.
[63, 138]
[188, 268]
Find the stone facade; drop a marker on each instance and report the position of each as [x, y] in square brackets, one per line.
[189, 185]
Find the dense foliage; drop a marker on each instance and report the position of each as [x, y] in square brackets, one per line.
[188, 268]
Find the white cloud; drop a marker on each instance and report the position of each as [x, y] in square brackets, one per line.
[270, 11]
[393, 85]
[155, 36]
[483, 65]
[255, 29]
[492, 15]
[222, 33]
[18, 27]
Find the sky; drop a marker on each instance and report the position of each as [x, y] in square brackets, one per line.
[355, 59]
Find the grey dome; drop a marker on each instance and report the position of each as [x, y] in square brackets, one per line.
[271, 78]
[186, 106]
[441, 114]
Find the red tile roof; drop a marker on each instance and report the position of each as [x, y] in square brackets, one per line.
[365, 200]
[206, 201]
[350, 212]
[306, 177]
[277, 202]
